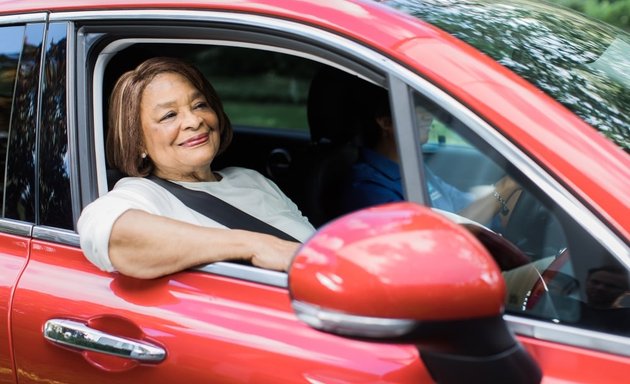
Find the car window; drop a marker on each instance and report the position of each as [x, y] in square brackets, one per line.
[554, 269]
[20, 188]
[55, 208]
[579, 61]
[265, 99]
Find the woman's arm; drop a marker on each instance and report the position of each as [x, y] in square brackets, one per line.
[144, 245]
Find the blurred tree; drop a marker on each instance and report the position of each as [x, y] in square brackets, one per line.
[570, 57]
[615, 12]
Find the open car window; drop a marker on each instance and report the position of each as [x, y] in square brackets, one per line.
[267, 96]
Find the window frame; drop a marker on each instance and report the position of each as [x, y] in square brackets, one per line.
[89, 28]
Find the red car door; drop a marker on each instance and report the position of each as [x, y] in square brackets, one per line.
[189, 327]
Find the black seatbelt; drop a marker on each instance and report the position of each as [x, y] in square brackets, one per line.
[218, 210]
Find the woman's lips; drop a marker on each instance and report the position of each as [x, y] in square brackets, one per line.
[195, 140]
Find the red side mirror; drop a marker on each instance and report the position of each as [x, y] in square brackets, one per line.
[403, 272]
[397, 261]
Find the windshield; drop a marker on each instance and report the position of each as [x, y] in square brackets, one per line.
[582, 63]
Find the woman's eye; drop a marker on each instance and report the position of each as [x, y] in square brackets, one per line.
[167, 116]
[201, 105]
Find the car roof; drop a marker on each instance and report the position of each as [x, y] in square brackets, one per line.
[570, 150]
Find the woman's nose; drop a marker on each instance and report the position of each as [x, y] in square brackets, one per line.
[191, 120]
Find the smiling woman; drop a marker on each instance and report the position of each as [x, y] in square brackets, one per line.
[166, 120]
[181, 134]
[173, 103]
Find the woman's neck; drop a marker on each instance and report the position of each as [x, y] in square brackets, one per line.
[196, 176]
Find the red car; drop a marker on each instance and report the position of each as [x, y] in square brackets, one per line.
[397, 293]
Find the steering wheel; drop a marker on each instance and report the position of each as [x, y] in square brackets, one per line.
[506, 254]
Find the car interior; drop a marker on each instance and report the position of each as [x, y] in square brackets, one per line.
[306, 136]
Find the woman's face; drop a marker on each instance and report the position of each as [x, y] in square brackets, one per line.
[181, 130]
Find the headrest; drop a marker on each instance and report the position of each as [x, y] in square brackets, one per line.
[333, 105]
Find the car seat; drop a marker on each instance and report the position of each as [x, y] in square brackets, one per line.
[333, 121]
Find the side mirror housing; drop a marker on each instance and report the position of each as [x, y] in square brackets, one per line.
[401, 272]
[399, 261]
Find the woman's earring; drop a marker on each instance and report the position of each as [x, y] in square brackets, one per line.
[143, 155]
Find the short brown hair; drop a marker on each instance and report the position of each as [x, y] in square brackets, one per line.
[124, 135]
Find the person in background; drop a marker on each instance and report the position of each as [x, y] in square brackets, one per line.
[376, 179]
[165, 119]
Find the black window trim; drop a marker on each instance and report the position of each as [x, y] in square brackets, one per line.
[28, 21]
[72, 119]
[7, 225]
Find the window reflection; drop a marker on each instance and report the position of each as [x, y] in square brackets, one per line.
[10, 47]
[20, 171]
[582, 63]
[54, 194]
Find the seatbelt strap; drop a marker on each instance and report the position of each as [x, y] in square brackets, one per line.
[218, 210]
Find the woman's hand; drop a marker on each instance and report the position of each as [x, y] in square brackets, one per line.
[271, 252]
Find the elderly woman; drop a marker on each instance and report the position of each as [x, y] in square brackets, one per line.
[166, 120]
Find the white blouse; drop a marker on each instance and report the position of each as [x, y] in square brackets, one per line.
[243, 188]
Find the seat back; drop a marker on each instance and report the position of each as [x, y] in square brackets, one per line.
[332, 117]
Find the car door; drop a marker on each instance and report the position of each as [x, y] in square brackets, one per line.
[220, 323]
[20, 49]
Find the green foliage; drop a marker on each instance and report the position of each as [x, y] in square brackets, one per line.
[615, 12]
[270, 115]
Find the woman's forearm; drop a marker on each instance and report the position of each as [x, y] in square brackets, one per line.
[144, 245]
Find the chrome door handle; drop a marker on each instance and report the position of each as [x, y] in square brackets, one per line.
[78, 335]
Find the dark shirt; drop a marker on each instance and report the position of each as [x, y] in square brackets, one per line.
[375, 179]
